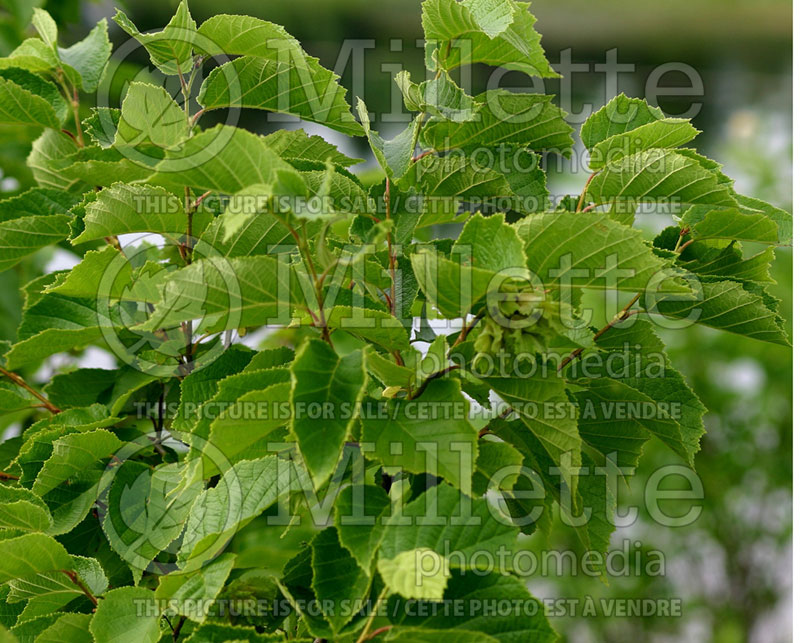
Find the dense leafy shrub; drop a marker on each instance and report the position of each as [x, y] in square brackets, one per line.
[360, 477]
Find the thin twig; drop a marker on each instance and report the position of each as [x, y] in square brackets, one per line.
[22, 383]
[79, 584]
[378, 632]
[467, 329]
[621, 316]
[583, 194]
[160, 424]
[681, 235]
[200, 199]
[430, 378]
[392, 258]
[365, 633]
[421, 155]
[75, 110]
[196, 117]
[177, 631]
[305, 254]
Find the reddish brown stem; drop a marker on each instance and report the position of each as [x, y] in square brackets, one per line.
[23, 384]
[392, 259]
[378, 632]
[583, 194]
[79, 584]
[621, 316]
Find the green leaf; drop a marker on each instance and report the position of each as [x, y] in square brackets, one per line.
[620, 115]
[49, 592]
[393, 156]
[45, 26]
[23, 509]
[127, 614]
[243, 492]
[491, 244]
[223, 159]
[88, 57]
[192, 595]
[741, 308]
[297, 145]
[149, 115]
[35, 202]
[643, 365]
[20, 106]
[616, 418]
[713, 259]
[244, 36]
[411, 435]
[658, 175]
[69, 627]
[521, 626]
[246, 211]
[338, 580]
[454, 289]
[493, 16]
[226, 293]
[517, 47]
[320, 376]
[543, 406]
[598, 497]
[103, 167]
[251, 235]
[147, 510]
[371, 325]
[730, 223]
[274, 73]
[287, 84]
[170, 49]
[47, 151]
[84, 280]
[253, 386]
[201, 385]
[529, 120]
[13, 398]
[600, 251]
[27, 631]
[72, 455]
[24, 236]
[419, 574]
[439, 97]
[39, 87]
[101, 126]
[471, 526]
[781, 218]
[238, 432]
[422, 635]
[33, 55]
[664, 133]
[360, 510]
[31, 554]
[459, 285]
[453, 176]
[55, 324]
[497, 467]
[217, 633]
[122, 209]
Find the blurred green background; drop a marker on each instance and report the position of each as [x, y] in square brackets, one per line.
[732, 567]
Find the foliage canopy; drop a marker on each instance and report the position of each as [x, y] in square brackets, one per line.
[359, 459]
